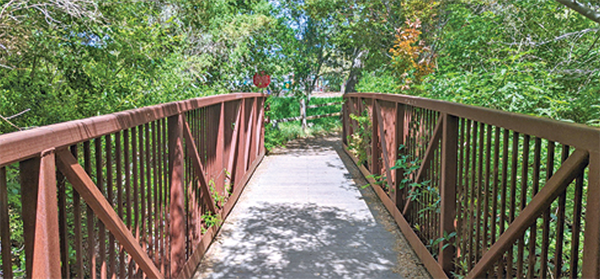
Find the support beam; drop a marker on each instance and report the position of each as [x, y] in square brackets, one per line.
[40, 216]
[177, 225]
[448, 191]
[591, 247]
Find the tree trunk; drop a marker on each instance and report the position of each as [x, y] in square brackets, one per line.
[355, 71]
[303, 114]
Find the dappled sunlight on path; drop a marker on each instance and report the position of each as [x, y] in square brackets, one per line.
[303, 215]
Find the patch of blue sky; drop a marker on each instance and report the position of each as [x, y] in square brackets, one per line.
[91, 39]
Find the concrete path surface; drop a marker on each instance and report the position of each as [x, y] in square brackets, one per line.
[304, 215]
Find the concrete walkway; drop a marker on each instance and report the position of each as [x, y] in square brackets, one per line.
[304, 215]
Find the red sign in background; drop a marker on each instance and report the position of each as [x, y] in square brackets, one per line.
[261, 80]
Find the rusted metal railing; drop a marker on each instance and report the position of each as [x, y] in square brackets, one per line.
[480, 192]
[138, 193]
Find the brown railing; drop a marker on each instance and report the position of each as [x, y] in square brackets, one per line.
[138, 193]
[480, 192]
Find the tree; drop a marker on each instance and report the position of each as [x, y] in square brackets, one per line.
[586, 9]
[72, 59]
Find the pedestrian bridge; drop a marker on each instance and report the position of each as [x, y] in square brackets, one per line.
[184, 190]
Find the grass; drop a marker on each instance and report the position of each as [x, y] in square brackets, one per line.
[284, 107]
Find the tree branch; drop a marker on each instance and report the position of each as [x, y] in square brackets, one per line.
[18, 114]
[582, 9]
[10, 123]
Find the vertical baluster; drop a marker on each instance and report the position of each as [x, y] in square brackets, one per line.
[156, 211]
[513, 197]
[166, 179]
[101, 228]
[473, 185]
[578, 198]
[110, 197]
[546, 214]
[460, 199]
[159, 212]
[152, 192]
[4, 227]
[135, 194]
[77, 223]
[120, 273]
[143, 183]
[478, 231]
[486, 191]
[467, 213]
[495, 177]
[149, 187]
[62, 226]
[535, 188]
[560, 223]
[90, 222]
[127, 136]
[504, 187]
[523, 203]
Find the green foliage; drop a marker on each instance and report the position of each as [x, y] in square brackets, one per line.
[116, 56]
[210, 219]
[360, 141]
[217, 198]
[433, 243]
[547, 68]
[378, 81]
[286, 107]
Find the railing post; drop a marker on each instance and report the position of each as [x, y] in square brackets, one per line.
[40, 216]
[344, 124]
[260, 126]
[177, 226]
[398, 140]
[591, 247]
[240, 167]
[448, 190]
[374, 166]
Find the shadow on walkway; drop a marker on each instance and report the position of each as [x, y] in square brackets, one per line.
[304, 216]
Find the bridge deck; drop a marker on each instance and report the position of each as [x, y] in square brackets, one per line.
[304, 215]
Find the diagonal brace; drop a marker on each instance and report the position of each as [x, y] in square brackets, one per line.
[431, 146]
[192, 151]
[557, 184]
[83, 184]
